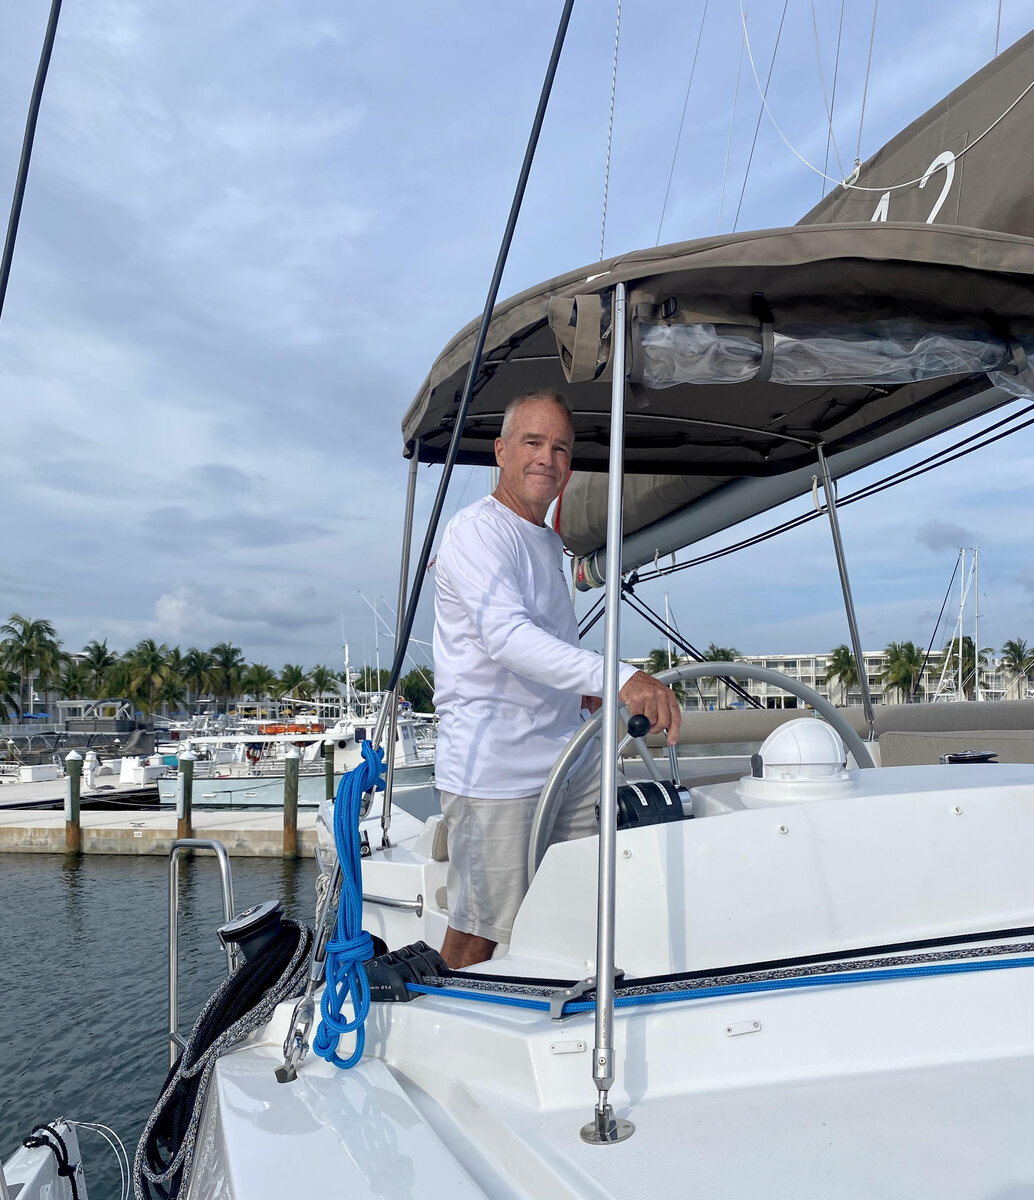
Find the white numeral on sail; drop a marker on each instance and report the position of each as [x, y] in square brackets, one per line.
[945, 161]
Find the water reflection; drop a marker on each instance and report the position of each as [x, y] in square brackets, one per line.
[85, 951]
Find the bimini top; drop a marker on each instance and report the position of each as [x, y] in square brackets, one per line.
[745, 351]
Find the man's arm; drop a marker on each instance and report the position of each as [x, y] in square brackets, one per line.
[481, 570]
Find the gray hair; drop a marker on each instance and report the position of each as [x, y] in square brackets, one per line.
[518, 402]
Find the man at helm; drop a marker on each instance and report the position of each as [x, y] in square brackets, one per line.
[511, 680]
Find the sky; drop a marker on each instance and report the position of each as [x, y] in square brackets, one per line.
[250, 228]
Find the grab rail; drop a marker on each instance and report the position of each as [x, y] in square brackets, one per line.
[177, 1043]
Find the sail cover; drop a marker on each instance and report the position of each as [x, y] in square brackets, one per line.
[964, 162]
[864, 337]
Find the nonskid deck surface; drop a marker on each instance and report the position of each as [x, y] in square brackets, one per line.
[895, 1134]
[958, 1130]
[914, 1087]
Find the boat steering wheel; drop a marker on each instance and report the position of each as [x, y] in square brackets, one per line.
[545, 811]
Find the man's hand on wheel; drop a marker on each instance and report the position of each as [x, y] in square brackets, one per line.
[656, 701]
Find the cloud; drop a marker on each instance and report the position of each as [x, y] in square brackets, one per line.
[943, 535]
[221, 478]
[175, 527]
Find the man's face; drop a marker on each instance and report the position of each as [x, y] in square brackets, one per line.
[535, 458]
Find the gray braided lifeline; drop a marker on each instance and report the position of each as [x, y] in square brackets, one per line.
[291, 983]
[471, 983]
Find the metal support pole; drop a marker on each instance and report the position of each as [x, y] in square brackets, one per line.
[407, 537]
[328, 768]
[605, 1129]
[845, 584]
[291, 803]
[73, 781]
[185, 796]
[188, 846]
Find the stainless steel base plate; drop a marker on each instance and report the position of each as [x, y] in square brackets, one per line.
[606, 1129]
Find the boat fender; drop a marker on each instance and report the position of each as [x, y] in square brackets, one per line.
[389, 973]
[651, 802]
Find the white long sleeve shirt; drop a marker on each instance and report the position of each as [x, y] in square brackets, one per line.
[509, 673]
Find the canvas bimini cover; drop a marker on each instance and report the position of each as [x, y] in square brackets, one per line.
[746, 351]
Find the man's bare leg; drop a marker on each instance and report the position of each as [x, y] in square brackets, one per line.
[465, 949]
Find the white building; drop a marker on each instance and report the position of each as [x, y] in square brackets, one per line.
[811, 669]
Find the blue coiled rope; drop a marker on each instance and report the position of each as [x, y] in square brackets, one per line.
[351, 945]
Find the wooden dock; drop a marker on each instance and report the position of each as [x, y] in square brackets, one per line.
[244, 834]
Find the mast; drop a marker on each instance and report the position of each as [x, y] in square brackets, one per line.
[962, 613]
[976, 624]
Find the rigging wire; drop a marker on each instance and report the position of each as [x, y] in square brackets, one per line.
[849, 183]
[940, 459]
[678, 139]
[26, 155]
[610, 128]
[998, 27]
[937, 625]
[761, 113]
[865, 89]
[830, 104]
[732, 119]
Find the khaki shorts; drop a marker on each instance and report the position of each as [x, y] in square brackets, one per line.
[488, 849]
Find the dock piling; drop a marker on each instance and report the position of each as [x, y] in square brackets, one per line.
[328, 768]
[291, 803]
[185, 795]
[73, 780]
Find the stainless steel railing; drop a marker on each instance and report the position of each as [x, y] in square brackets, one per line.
[177, 1043]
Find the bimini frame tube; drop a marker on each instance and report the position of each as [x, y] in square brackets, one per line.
[845, 584]
[604, 1129]
[393, 697]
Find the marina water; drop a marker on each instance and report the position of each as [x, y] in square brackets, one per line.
[84, 1015]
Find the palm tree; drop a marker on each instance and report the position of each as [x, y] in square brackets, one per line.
[75, 680]
[29, 647]
[1017, 657]
[321, 679]
[172, 693]
[117, 677]
[197, 669]
[904, 669]
[843, 669]
[293, 681]
[98, 660]
[969, 663]
[372, 680]
[258, 681]
[148, 671]
[9, 684]
[418, 688]
[657, 661]
[715, 653]
[227, 671]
